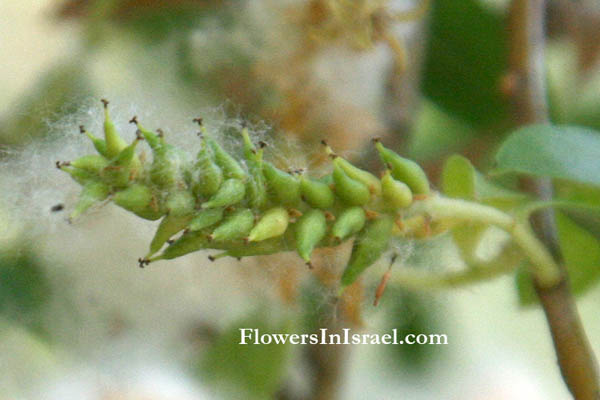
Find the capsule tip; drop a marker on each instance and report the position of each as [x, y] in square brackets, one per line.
[198, 120]
[104, 103]
[370, 214]
[329, 216]
[142, 262]
[133, 120]
[294, 213]
[81, 129]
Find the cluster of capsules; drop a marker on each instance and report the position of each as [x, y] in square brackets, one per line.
[246, 208]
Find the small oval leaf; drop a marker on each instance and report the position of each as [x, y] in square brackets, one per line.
[565, 152]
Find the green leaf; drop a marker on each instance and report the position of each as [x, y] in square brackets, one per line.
[581, 252]
[253, 369]
[24, 289]
[586, 204]
[458, 178]
[436, 133]
[586, 218]
[409, 312]
[563, 152]
[525, 289]
[465, 60]
[461, 180]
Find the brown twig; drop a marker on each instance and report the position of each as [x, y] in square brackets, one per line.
[526, 61]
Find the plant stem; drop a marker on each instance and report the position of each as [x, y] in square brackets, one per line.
[547, 272]
[526, 61]
[416, 279]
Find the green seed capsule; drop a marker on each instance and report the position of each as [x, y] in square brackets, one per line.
[368, 247]
[256, 188]
[351, 191]
[114, 142]
[231, 168]
[231, 192]
[186, 244]
[93, 163]
[349, 222]
[397, 194]
[79, 175]
[284, 187]
[153, 140]
[169, 226]
[123, 168]
[140, 200]
[180, 203]
[205, 218]
[127, 156]
[206, 175]
[315, 193]
[236, 226]
[404, 170]
[250, 152]
[265, 247]
[360, 175]
[169, 167]
[327, 179]
[99, 144]
[273, 223]
[310, 230]
[92, 193]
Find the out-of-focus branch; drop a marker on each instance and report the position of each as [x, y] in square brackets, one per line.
[401, 97]
[580, 21]
[575, 356]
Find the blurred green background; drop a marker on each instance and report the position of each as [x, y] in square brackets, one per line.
[79, 320]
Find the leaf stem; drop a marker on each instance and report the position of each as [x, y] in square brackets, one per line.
[543, 265]
[416, 279]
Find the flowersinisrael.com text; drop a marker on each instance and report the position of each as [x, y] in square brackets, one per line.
[254, 336]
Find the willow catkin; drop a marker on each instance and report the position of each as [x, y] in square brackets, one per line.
[247, 207]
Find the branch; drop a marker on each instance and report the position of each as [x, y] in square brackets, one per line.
[526, 62]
